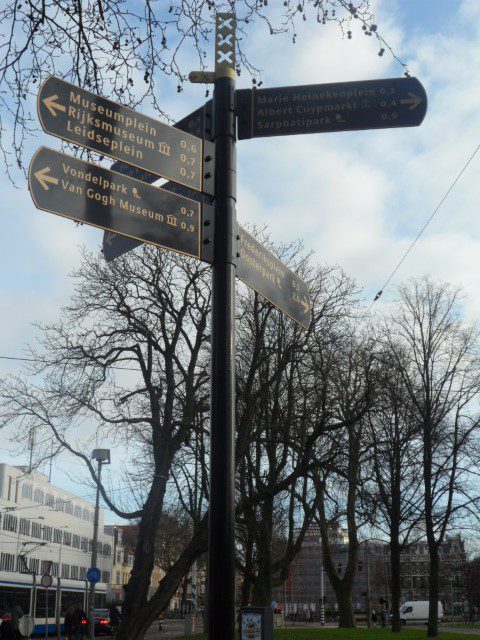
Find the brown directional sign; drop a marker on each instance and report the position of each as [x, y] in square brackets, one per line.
[321, 108]
[198, 123]
[261, 270]
[83, 118]
[93, 195]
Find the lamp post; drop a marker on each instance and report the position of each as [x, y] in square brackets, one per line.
[102, 456]
[367, 567]
[59, 575]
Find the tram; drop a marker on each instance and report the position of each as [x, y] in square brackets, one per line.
[24, 590]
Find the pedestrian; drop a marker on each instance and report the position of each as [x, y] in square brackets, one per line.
[7, 630]
[115, 618]
[374, 618]
[383, 617]
[73, 624]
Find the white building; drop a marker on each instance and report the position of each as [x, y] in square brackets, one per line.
[40, 522]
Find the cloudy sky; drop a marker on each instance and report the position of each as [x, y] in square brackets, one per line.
[357, 199]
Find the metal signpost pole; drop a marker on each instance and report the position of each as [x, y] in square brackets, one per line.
[221, 544]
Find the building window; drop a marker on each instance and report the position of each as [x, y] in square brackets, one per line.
[57, 535]
[38, 496]
[33, 565]
[47, 533]
[22, 566]
[107, 550]
[7, 562]
[54, 569]
[84, 543]
[78, 512]
[83, 573]
[86, 515]
[69, 508]
[76, 541]
[27, 491]
[36, 530]
[74, 573]
[106, 577]
[65, 571]
[24, 527]
[117, 579]
[67, 538]
[50, 500]
[59, 504]
[10, 482]
[9, 522]
[119, 557]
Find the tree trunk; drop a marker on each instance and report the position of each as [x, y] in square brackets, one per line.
[134, 626]
[396, 583]
[434, 592]
[262, 589]
[345, 609]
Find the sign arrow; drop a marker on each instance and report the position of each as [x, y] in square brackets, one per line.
[43, 177]
[414, 100]
[52, 105]
[84, 118]
[109, 237]
[102, 198]
[337, 106]
[261, 270]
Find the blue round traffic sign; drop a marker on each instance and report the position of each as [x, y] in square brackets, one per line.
[93, 574]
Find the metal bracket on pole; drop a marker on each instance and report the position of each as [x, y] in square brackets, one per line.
[202, 77]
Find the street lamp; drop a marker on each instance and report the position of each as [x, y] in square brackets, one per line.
[59, 575]
[102, 456]
[367, 565]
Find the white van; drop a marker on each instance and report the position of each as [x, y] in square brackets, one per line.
[416, 611]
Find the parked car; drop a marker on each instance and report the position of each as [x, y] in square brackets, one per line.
[416, 611]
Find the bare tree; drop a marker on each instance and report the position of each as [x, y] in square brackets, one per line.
[437, 355]
[339, 486]
[394, 496]
[130, 360]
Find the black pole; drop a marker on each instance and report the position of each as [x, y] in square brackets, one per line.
[221, 576]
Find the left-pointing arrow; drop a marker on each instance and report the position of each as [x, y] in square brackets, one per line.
[52, 106]
[43, 177]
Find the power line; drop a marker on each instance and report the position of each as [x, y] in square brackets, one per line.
[379, 293]
[52, 363]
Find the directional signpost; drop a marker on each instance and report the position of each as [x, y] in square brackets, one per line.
[321, 108]
[198, 123]
[83, 118]
[261, 270]
[102, 198]
[179, 216]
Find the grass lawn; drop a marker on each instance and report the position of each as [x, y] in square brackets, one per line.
[348, 634]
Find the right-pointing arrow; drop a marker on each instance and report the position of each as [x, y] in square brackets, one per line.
[43, 177]
[305, 305]
[413, 101]
[52, 106]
